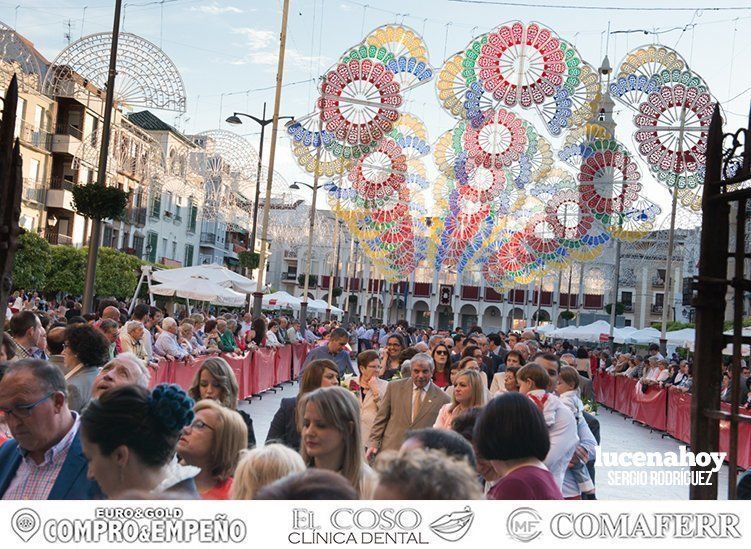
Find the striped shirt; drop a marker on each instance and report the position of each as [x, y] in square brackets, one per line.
[35, 481]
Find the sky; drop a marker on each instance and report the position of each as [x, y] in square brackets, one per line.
[227, 50]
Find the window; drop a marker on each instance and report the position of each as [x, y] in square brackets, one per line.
[627, 298]
[38, 118]
[20, 115]
[153, 240]
[33, 173]
[156, 205]
[659, 299]
[168, 201]
[138, 245]
[107, 238]
[193, 217]
[174, 250]
[188, 256]
[164, 247]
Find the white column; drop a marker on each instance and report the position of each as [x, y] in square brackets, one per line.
[645, 303]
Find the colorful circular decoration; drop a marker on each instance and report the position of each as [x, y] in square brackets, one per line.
[498, 142]
[609, 181]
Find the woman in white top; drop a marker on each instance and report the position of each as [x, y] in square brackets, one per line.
[469, 392]
[370, 390]
[467, 363]
[271, 339]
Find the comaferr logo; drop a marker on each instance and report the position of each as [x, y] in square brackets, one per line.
[453, 526]
[523, 524]
[646, 526]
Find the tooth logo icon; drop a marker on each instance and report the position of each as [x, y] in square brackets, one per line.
[25, 523]
[454, 526]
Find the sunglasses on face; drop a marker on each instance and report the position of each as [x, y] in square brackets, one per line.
[443, 353]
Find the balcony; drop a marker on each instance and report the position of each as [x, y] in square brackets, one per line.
[658, 282]
[656, 309]
[289, 276]
[211, 239]
[137, 216]
[628, 307]
[67, 140]
[35, 137]
[34, 191]
[291, 255]
[60, 194]
[55, 238]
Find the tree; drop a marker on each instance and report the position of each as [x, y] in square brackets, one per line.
[32, 262]
[312, 280]
[618, 308]
[117, 274]
[568, 315]
[336, 292]
[66, 270]
[249, 260]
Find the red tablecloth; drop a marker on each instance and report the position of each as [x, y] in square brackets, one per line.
[283, 365]
[678, 423]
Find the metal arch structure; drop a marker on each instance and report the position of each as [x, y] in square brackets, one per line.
[17, 51]
[146, 76]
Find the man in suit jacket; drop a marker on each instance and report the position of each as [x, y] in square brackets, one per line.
[44, 460]
[409, 404]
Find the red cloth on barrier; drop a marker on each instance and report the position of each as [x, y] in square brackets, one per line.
[161, 373]
[744, 438]
[679, 415]
[299, 352]
[262, 370]
[237, 364]
[184, 372]
[606, 395]
[650, 408]
[623, 394]
[283, 364]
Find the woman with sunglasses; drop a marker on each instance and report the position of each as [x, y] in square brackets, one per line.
[212, 442]
[441, 373]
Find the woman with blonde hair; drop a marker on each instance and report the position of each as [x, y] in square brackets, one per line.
[215, 380]
[469, 392]
[331, 438]
[213, 442]
[262, 466]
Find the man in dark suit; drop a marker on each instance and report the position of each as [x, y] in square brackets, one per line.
[44, 460]
[408, 404]
[497, 352]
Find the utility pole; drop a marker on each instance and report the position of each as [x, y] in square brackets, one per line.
[96, 224]
[258, 294]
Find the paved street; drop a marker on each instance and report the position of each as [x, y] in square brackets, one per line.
[618, 434]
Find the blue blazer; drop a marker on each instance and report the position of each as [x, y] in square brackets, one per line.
[71, 481]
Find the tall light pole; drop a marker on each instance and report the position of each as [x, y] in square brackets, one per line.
[308, 257]
[263, 122]
[258, 294]
[96, 224]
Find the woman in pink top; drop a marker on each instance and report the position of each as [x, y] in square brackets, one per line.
[511, 434]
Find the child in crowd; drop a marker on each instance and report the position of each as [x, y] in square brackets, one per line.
[567, 390]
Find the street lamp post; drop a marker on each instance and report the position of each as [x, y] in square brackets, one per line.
[263, 122]
[308, 257]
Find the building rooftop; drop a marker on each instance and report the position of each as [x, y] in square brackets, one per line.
[150, 122]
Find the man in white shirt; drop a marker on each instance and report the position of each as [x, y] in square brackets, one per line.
[166, 344]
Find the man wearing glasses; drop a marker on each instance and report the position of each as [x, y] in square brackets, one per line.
[44, 459]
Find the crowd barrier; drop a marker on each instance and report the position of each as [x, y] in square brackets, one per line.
[667, 410]
[256, 372]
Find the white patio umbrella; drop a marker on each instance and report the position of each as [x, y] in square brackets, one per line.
[644, 336]
[200, 289]
[215, 273]
[281, 300]
[320, 306]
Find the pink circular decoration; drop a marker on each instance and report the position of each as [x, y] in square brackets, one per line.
[609, 182]
[358, 101]
[521, 65]
[498, 142]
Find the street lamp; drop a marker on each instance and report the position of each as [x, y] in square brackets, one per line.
[308, 259]
[263, 122]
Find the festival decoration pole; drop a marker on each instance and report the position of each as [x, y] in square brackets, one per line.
[258, 294]
[96, 224]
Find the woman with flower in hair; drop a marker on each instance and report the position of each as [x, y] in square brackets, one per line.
[129, 437]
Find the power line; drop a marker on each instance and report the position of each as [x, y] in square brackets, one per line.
[601, 8]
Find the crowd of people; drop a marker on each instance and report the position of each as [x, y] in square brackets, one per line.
[384, 412]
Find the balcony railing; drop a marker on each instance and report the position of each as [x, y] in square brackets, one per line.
[658, 282]
[67, 129]
[290, 254]
[656, 309]
[55, 238]
[208, 238]
[137, 216]
[34, 191]
[35, 137]
[290, 276]
[628, 307]
[61, 183]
